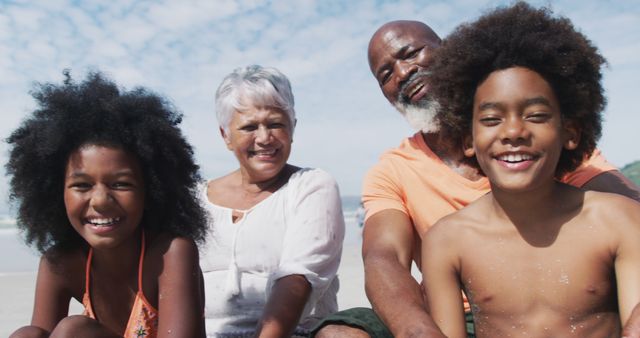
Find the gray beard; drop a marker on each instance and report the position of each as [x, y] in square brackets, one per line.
[421, 116]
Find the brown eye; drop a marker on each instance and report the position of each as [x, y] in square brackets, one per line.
[80, 186]
[385, 78]
[249, 127]
[413, 53]
[490, 121]
[538, 117]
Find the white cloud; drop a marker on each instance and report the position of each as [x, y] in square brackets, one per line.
[184, 48]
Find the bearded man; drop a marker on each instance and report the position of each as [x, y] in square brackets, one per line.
[417, 183]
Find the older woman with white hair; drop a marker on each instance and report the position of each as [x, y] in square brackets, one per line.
[276, 234]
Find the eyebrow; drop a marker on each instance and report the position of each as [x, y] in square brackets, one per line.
[81, 174]
[528, 102]
[395, 55]
[537, 100]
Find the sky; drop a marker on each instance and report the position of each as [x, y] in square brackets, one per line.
[183, 49]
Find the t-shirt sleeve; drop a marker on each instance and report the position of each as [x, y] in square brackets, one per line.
[590, 168]
[313, 239]
[381, 191]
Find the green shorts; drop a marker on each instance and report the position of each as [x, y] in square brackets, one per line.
[365, 319]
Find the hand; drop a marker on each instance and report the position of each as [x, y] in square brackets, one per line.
[632, 327]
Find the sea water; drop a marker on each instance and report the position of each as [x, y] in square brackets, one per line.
[18, 257]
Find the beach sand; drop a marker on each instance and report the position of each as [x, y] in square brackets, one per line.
[19, 264]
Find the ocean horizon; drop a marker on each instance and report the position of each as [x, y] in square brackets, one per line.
[25, 259]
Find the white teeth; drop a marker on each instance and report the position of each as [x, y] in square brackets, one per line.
[415, 90]
[515, 157]
[265, 152]
[103, 221]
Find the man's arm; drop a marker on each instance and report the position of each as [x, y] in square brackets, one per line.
[613, 181]
[388, 245]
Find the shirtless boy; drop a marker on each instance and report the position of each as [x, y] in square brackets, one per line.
[536, 257]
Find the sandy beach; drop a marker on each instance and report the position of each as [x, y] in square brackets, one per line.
[19, 265]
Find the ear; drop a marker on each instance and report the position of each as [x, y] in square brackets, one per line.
[572, 135]
[225, 137]
[467, 146]
[293, 128]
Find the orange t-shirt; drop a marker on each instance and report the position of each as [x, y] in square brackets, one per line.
[413, 180]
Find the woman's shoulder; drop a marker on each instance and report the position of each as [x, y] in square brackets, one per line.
[220, 184]
[217, 190]
[311, 175]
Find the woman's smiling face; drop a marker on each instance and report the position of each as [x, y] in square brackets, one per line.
[260, 138]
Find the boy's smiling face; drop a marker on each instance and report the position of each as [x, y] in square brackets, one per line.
[517, 130]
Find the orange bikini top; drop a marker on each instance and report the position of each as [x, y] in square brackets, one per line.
[143, 321]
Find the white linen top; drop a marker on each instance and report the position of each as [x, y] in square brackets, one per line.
[299, 229]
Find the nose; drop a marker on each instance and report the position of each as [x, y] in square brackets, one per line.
[263, 134]
[514, 129]
[405, 69]
[101, 197]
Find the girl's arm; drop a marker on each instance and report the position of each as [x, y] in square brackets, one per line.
[180, 293]
[442, 282]
[53, 292]
[52, 298]
[282, 312]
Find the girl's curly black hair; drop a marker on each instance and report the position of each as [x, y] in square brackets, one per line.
[96, 111]
[523, 36]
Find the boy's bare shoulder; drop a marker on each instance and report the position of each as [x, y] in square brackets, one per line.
[460, 225]
[612, 209]
[610, 204]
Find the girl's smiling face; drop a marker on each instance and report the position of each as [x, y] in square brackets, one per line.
[104, 195]
[517, 130]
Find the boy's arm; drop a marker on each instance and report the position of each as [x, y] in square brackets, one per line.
[440, 271]
[180, 293]
[282, 312]
[631, 328]
[387, 251]
[628, 258]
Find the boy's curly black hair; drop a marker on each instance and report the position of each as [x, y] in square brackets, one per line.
[96, 111]
[523, 36]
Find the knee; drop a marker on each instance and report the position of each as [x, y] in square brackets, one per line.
[68, 326]
[29, 332]
[336, 331]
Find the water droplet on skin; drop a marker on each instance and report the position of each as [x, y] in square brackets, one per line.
[564, 279]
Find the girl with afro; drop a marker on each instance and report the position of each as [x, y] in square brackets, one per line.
[104, 182]
[521, 97]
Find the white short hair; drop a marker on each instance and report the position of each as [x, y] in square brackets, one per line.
[253, 86]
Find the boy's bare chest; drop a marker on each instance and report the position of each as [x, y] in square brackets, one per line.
[568, 280]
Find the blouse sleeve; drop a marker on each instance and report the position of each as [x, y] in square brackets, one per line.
[312, 245]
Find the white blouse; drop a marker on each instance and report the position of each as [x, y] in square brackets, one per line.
[298, 229]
